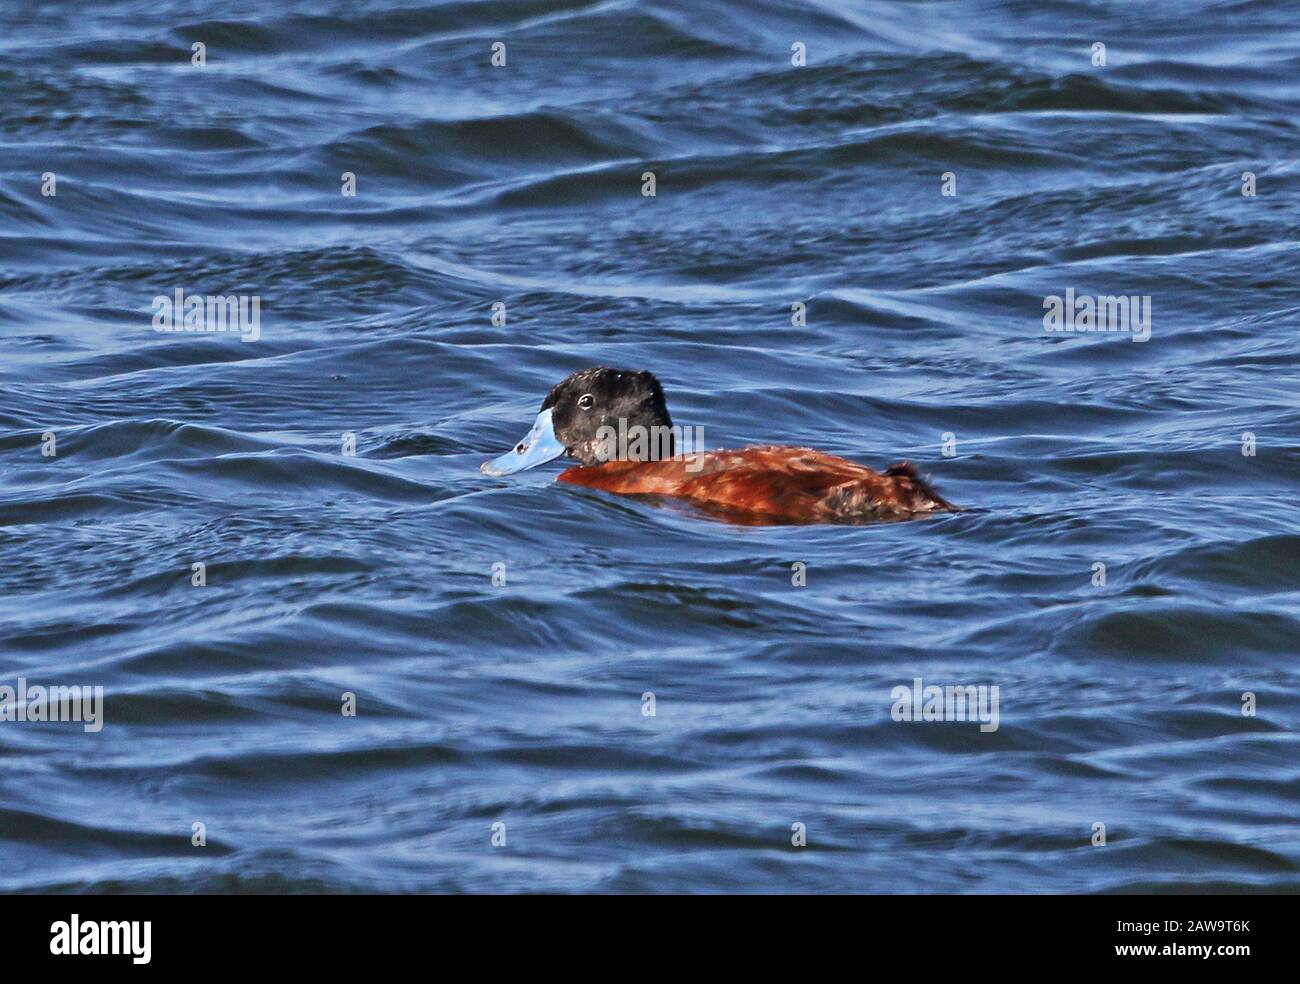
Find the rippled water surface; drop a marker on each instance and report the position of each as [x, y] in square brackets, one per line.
[522, 703]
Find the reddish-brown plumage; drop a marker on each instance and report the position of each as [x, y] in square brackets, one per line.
[602, 417]
[770, 485]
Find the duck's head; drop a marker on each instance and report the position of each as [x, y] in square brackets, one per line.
[583, 412]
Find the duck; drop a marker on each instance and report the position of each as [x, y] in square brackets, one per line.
[615, 424]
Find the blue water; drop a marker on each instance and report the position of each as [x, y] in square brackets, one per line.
[521, 703]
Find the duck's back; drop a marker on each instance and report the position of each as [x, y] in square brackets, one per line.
[797, 485]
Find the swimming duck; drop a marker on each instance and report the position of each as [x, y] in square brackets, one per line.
[616, 423]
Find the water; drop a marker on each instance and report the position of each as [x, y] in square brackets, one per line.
[522, 703]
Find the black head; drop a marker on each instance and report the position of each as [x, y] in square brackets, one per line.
[596, 415]
[591, 406]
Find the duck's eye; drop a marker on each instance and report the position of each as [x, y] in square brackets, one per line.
[586, 401]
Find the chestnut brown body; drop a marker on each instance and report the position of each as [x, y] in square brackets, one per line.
[771, 485]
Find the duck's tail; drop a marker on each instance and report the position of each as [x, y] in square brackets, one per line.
[926, 499]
